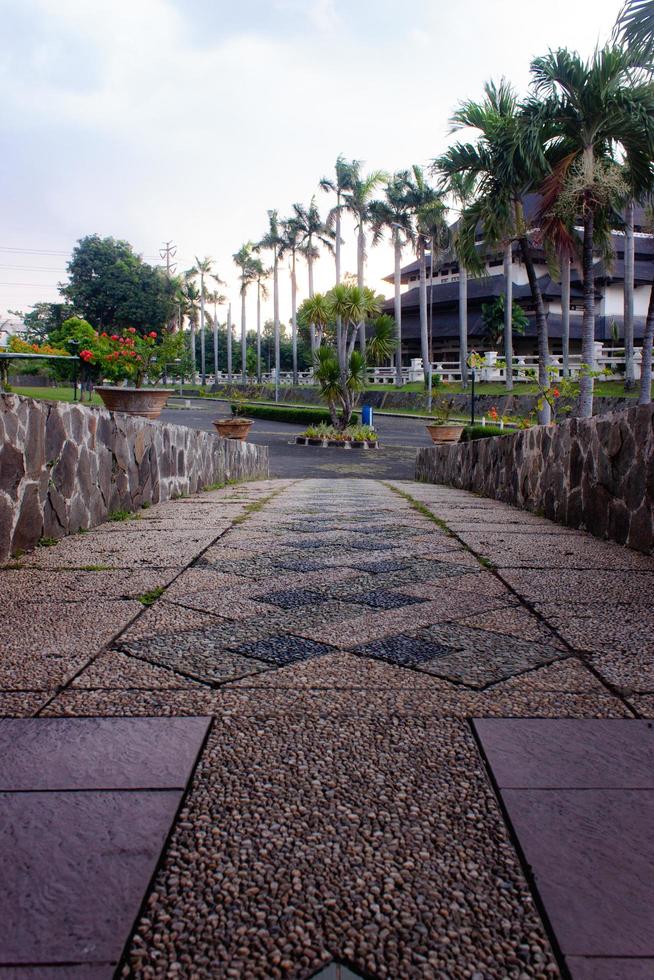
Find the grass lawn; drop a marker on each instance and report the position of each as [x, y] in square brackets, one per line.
[55, 395]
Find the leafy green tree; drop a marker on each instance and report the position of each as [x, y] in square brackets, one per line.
[635, 26]
[42, 320]
[112, 287]
[599, 113]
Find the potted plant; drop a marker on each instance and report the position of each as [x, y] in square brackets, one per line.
[441, 429]
[235, 426]
[130, 356]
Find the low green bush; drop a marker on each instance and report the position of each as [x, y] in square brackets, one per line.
[283, 413]
[356, 433]
[472, 432]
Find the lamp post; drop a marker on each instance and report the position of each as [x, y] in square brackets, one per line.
[472, 364]
[74, 346]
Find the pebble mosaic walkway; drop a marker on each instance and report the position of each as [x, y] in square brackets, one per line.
[344, 638]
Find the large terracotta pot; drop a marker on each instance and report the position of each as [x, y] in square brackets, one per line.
[234, 428]
[444, 433]
[146, 402]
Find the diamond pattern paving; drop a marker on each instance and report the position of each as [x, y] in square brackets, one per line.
[341, 812]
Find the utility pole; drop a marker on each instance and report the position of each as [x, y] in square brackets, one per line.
[168, 251]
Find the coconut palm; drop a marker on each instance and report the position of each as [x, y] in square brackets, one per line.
[245, 260]
[430, 225]
[506, 163]
[599, 111]
[393, 214]
[313, 232]
[292, 237]
[273, 241]
[356, 201]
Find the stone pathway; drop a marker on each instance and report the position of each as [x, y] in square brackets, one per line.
[342, 635]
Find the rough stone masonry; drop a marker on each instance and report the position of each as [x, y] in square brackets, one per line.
[595, 474]
[64, 467]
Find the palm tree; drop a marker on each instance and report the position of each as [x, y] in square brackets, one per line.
[635, 26]
[229, 344]
[506, 163]
[393, 214]
[260, 274]
[344, 172]
[313, 232]
[461, 187]
[202, 268]
[356, 201]
[190, 306]
[245, 260]
[292, 236]
[597, 110]
[341, 372]
[273, 241]
[217, 299]
[430, 225]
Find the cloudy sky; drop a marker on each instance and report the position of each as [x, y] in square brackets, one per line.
[188, 119]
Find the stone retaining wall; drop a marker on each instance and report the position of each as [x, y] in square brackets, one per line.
[64, 467]
[516, 405]
[596, 474]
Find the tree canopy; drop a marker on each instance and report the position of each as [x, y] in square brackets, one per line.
[112, 287]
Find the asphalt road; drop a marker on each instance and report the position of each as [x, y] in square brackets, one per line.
[394, 460]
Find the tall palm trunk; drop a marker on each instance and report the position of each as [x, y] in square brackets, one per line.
[194, 370]
[588, 325]
[424, 330]
[259, 331]
[215, 343]
[361, 262]
[203, 362]
[508, 315]
[544, 413]
[629, 379]
[276, 320]
[229, 343]
[337, 259]
[294, 316]
[244, 376]
[312, 327]
[463, 324]
[398, 307]
[646, 365]
[565, 314]
[431, 323]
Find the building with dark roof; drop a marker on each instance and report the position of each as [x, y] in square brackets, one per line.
[443, 298]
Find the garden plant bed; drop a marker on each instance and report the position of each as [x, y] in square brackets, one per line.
[340, 443]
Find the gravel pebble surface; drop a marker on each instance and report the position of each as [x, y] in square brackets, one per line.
[340, 809]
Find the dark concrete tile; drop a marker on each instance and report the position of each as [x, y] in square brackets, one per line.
[609, 968]
[75, 868]
[565, 753]
[287, 649]
[98, 753]
[592, 856]
[69, 971]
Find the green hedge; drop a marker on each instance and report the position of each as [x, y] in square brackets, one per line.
[284, 413]
[483, 432]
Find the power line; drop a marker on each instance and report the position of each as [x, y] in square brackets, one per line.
[33, 285]
[33, 251]
[32, 268]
